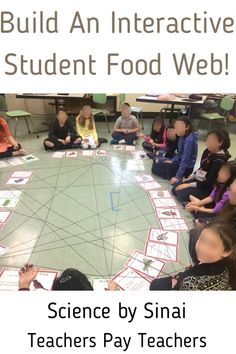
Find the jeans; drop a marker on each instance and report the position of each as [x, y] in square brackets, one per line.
[167, 170]
[183, 194]
[129, 138]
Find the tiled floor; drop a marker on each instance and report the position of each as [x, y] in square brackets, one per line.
[65, 216]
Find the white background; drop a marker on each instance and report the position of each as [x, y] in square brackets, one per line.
[210, 314]
[133, 46]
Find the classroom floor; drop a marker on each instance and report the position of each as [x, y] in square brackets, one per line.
[87, 213]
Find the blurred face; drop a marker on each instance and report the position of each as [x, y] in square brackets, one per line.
[157, 126]
[181, 128]
[125, 111]
[232, 193]
[212, 142]
[62, 117]
[87, 111]
[171, 134]
[210, 247]
[223, 174]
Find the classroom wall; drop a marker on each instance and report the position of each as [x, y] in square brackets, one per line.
[42, 112]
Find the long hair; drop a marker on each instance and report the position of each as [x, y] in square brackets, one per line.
[158, 136]
[221, 189]
[82, 119]
[223, 136]
[228, 237]
[188, 123]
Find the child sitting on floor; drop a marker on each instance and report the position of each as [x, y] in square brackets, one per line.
[216, 268]
[86, 128]
[157, 139]
[8, 146]
[126, 127]
[175, 169]
[62, 134]
[171, 146]
[213, 204]
[201, 183]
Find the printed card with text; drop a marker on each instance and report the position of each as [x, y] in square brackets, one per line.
[87, 153]
[130, 280]
[174, 224]
[101, 153]
[159, 194]
[9, 280]
[161, 251]
[72, 154]
[168, 213]
[145, 265]
[144, 178]
[157, 235]
[117, 147]
[164, 202]
[4, 216]
[150, 185]
[58, 154]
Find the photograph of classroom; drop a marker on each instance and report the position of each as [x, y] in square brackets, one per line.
[117, 191]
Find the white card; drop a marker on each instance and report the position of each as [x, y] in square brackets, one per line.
[135, 165]
[72, 154]
[10, 194]
[100, 284]
[159, 194]
[58, 154]
[130, 280]
[164, 202]
[4, 215]
[21, 174]
[18, 181]
[3, 250]
[139, 155]
[157, 235]
[3, 164]
[150, 185]
[144, 178]
[30, 158]
[173, 224]
[117, 147]
[15, 161]
[145, 265]
[161, 251]
[87, 153]
[101, 153]
[130, 148]
[168, 213]
[8, 203]
[9, 279]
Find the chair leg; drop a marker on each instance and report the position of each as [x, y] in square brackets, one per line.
[141, 118]
[35, 131]
[27, 125]
[16, 123]
[106, 119]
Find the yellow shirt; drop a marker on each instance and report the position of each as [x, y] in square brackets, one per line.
[84, 131]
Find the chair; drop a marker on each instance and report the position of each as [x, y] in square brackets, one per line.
[16, 115]
[138, 111]
[226, 105]
[100, 99]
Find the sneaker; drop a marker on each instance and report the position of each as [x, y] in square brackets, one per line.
[113, 142]
[121, 141]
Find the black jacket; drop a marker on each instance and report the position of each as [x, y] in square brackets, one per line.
[211, 163]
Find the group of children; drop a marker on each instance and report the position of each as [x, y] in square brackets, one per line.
[209, 192]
